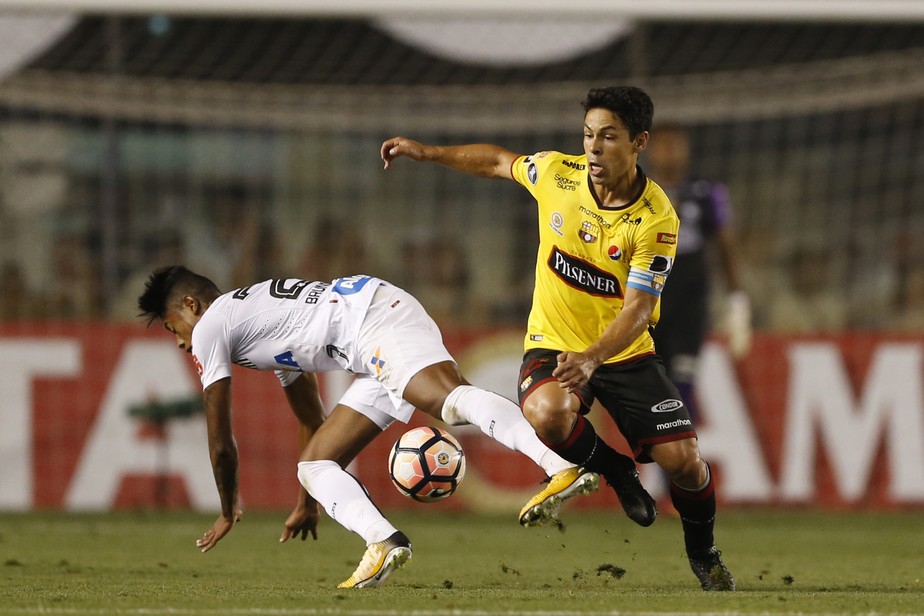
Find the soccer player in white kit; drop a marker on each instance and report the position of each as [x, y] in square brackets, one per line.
[360, 324]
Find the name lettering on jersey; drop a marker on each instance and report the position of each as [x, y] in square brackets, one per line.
[588, 232]
[241, 293]
[600, 219]
[667, 238]
[566, 184]
[315, 293]
[574, 165]
[581, 275]
[557, 221]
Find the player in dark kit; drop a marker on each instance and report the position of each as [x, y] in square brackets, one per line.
[607, 241]
[705, 216]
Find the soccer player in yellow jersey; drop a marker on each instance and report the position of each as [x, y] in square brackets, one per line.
[608, 238]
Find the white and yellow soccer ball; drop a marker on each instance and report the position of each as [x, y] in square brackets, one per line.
[426, 464]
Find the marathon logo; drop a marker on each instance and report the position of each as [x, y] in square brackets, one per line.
[600, 219]
[581, 275]
[674, 424]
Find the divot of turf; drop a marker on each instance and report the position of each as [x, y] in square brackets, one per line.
[613, 570]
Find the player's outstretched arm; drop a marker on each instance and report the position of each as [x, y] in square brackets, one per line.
[481, 159]
[223, 454]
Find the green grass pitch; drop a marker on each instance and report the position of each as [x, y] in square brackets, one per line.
[785, 562]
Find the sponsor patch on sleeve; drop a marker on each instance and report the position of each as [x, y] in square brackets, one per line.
[667, 238]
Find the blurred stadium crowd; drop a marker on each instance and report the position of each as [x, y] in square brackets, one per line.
[248, 149]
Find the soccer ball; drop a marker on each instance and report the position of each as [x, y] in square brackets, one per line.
[426, 464]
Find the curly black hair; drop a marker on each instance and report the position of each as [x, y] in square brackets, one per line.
[167, 285]
[630, 104]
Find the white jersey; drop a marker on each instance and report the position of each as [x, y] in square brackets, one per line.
[286, 325]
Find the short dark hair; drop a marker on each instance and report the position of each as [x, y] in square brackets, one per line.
[630, 104]
[167, 285]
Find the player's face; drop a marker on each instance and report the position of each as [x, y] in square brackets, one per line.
[611, 153]
[180, 321]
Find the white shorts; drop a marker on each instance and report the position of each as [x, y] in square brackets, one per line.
[370, 398]
[397, 340]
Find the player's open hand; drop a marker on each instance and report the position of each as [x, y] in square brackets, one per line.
[219, 529]
[401, 146]
[574, 369]
[303, 520]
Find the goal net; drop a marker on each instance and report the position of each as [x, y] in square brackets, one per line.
[248, 147]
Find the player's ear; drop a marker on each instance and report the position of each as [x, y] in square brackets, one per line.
[192, 304]
[641, 140]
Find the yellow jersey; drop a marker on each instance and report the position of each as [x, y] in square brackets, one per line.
[590, 253]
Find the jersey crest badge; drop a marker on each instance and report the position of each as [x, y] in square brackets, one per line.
[588, 232]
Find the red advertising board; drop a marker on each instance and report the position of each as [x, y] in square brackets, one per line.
[834, 421]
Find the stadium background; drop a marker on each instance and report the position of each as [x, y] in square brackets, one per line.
[246, 145]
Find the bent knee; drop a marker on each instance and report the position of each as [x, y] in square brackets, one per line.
[552, 417]
[682, 462]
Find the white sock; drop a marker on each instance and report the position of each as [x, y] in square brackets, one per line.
[344, 499]
[502, 420]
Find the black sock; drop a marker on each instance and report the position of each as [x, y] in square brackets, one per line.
[697, 513]
[584, 448]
